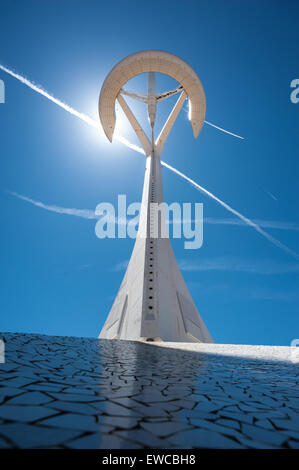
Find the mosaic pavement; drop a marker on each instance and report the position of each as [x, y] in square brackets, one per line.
[65, 392]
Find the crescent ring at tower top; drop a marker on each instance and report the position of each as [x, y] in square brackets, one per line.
[151, 61]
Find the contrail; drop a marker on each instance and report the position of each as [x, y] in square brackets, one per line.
[127, 143]
[88, 120]
[95, 124]
[84, 213]
[228, 263]
[275, 224]
[223, 130]
[76, 113]
[38, 89]
[90, 214]
[233, 211]
[271, 195]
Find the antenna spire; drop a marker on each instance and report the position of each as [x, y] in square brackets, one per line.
[152, 99]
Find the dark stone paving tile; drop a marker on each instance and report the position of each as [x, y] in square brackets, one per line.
[7, 367]
[264, 423]
[75, 421]
[238, 417]
[263, 435]
[202, 438]
[290, 433]
[30, 398]
[113, 409]
[146, 439]
[216, 427]
[194, 415]
[293, 444]
[81, 408]
[89, 393]
[18, 382]
[208, 407]
[165, 429]
[186, 404]
[233, 408]
[98, 441]
[122, 422]
[128, 402]
[168, 406]
[228, 422]
[81, 391]
[149, 396]
[152, 411]
[76, 398]
[41, 387]
[291, 424]
[4, 444]
[25, 414]
[250, 444]
[29, 436]
[9, 392]
[273, 414]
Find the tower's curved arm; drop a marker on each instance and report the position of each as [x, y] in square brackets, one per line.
[151, 61]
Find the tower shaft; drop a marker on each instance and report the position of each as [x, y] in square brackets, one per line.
[153, 301]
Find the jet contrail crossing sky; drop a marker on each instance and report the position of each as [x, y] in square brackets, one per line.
[123, 140]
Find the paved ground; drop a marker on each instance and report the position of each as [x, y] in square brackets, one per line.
[88, 393]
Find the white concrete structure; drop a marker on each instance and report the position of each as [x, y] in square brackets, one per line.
[153, 302]
[269, 353]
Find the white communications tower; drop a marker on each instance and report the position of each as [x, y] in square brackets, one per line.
[153, 302]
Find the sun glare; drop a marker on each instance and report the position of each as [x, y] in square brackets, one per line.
[121, 125]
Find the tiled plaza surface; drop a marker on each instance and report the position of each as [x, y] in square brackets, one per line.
[65, 392]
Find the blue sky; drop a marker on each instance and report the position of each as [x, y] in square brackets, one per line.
[56, 276]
